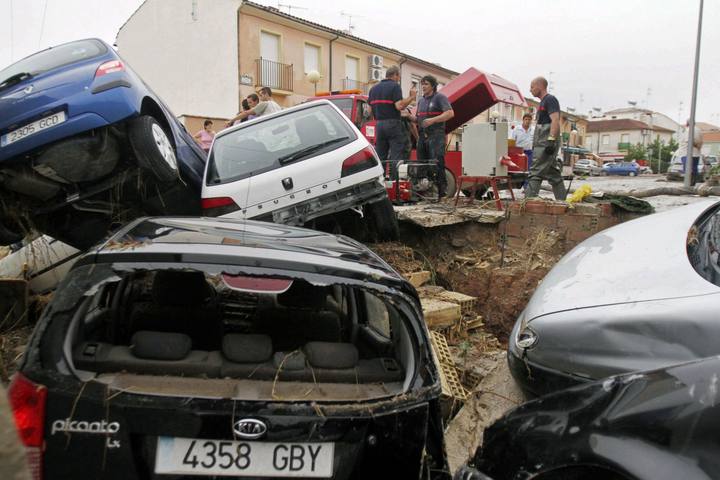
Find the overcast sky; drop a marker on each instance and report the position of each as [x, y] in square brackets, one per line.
[597, 53]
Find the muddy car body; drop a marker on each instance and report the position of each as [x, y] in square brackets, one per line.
[85, 143]
[640, 426]
[641, 295]
[212, 347]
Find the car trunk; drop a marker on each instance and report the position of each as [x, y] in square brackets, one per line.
[20, 106]
[280, 377]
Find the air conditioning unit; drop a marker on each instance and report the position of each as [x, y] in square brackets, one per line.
[375, 61]
[375, 75]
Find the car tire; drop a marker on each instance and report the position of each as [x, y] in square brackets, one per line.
[632, 174]
[381, 220]
[153, 149]
[450, 184]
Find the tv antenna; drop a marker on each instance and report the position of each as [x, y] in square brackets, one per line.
[351, 27]
[290, 7]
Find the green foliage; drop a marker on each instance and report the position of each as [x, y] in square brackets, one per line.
[664, 151]
[636, 152]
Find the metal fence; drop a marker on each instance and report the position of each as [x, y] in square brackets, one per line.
[349, 84]
[274, 75]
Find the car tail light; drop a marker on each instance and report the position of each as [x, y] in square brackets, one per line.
[214, 207]
[109, 67]
[27, 400]
[358, 162]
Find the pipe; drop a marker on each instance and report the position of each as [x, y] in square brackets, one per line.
[689, 164]
[330, 67]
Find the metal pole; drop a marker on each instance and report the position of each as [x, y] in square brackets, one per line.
[691, 126]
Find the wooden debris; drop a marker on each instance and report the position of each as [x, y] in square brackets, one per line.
[418, 279]
[453, 391]
[474, 324]
[440, 314]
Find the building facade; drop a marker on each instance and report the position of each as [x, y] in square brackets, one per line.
[615, 136]
[204, 56]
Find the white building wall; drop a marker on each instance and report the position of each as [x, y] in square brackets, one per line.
[187, 52]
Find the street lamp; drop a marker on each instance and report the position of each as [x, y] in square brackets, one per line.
[691, 126]
[314, 77]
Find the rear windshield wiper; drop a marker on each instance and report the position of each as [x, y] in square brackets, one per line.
[308, 150]
[15, 79]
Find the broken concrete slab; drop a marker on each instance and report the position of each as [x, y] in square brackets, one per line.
[492, 398]
[418, 279]
[440, 214]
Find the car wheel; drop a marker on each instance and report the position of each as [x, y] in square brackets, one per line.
[153, 149]
[450, 184]
[632, 174]
[381, 220]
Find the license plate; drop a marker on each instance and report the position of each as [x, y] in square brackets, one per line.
[32, 128]
[243, 459]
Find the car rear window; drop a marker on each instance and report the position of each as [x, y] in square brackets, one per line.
[265, 145]
[55, 57]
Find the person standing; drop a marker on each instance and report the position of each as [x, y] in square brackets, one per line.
[387, 102]
[523, 136]
[433, 111]
[258, 106]
[205, 136]
[545, 143]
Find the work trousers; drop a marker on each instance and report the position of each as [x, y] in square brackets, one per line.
[545, 166]
[431, 146]
[390, 142]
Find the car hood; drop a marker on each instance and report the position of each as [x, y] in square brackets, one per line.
[641, 260]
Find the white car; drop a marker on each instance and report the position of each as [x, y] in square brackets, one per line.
[301, 166]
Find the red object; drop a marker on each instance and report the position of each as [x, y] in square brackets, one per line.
[492, 181]
[400, 191]
[109, 67]
[27, 400]
[375, 102]
[216, 206]
[257, 284]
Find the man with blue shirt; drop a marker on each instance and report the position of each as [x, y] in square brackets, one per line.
[433, 111]
[387, 102]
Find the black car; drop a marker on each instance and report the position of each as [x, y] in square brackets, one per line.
[660, 424]
[193, 347]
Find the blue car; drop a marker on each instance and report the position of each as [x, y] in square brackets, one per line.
[621, 168]
[85, 145]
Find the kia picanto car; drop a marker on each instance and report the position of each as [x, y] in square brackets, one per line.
[638, 296]
[85, 143]
[186, 347]
[308, 165]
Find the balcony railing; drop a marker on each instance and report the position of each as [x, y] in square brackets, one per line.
[350, 84]
[273, 74]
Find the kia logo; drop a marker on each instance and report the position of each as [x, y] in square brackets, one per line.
[249, 428]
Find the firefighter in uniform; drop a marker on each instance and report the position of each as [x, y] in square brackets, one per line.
[387, 102]
[545, 143]
[433, 111]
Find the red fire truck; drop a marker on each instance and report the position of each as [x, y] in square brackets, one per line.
[470, 94]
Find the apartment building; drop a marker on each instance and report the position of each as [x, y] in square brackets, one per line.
[204, 56]
[615, 136]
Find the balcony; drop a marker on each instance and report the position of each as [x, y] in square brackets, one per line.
[275, 75]
[350, 84]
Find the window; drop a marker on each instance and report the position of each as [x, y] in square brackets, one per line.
[588, 142]
[312, 58]
[625, 138]
[270, 46]
[56, 57]
[378, 317]
[606, 139]
[352, 68]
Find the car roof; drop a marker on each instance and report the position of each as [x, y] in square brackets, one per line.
[243, 243]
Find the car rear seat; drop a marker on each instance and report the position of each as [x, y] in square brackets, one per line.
[150, 353]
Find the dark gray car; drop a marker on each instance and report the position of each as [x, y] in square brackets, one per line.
[638, 296]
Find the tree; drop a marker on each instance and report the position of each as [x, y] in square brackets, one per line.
[636, 152]
[659, 148]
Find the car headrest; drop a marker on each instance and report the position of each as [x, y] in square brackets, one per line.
[331, 355]
[151, 345]
[181, 288]
[247, 348]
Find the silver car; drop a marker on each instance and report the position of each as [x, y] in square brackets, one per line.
[586, 166]
[638, 296]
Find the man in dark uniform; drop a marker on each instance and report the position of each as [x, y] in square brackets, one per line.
[387, 102]
[545, 143]
[433, 111]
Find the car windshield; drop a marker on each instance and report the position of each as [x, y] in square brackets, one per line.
[54, 57]
[264, 145]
